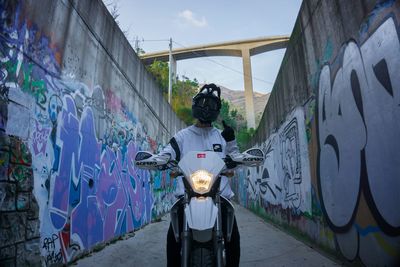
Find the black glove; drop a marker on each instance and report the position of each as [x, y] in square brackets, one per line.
[230, 164]
[228, 134]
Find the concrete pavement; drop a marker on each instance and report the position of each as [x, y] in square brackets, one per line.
[261, 245]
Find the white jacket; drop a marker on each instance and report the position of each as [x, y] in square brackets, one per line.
[195, 138]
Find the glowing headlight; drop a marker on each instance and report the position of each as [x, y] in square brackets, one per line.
[201, 181]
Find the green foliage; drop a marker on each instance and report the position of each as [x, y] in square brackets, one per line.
[185, 114]
[183, 91]
[225, 115]
[235, 120]
[243, 136]
[160, 70]
[140, 51]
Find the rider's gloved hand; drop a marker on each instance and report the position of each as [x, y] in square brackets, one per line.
[230, 164]
[228, 134]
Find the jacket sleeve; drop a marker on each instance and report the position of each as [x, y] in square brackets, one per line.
[168, 150]
[173, 148]
[232, 147]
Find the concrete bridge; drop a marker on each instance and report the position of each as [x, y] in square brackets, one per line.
[76, 103]
[242, 48]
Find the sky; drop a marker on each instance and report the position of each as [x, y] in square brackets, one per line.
[191, 22]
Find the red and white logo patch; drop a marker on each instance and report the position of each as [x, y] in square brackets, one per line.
[201, 156]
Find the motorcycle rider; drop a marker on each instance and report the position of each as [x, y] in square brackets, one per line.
[203, 136]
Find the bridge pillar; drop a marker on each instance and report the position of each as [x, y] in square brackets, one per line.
[248, 89]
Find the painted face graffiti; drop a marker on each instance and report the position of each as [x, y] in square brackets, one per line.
[284, 178]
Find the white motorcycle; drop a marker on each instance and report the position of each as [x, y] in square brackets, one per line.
[202, 233]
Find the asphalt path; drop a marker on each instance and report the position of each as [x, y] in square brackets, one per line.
[262, 244]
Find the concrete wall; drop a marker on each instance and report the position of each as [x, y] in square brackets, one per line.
[75, 105]
[330, 133]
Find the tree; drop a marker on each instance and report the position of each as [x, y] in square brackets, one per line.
[182, 91]
[113, 8]
[185, 114]
[160, 70]
[140, 51]
[225, 115]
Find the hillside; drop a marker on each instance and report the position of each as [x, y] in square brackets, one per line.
[237, 101]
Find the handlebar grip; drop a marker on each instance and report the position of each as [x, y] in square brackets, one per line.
[230, 164]
[228, 173]
[174, 174]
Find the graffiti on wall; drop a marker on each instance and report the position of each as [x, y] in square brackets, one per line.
[353, 130]
[284, 179]
[358, 139]
[82, 140]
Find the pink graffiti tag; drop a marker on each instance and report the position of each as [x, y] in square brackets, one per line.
[40, 139]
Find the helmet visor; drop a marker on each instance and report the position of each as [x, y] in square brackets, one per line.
[211, 103]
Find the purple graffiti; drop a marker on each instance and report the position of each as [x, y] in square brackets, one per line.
[82, 155]
[99, 191]
[40, 139]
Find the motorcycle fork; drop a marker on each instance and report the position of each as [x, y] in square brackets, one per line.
[218, 239]
[185, 236]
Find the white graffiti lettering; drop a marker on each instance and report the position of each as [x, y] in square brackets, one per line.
[358, 117]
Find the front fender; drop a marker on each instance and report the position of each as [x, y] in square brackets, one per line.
[201, 213]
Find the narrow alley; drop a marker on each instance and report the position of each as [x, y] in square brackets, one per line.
[261, 245]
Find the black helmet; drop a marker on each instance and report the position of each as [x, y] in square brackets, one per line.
[207, 103]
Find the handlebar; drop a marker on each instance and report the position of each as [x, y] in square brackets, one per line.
[175, 171]
[174, 174]
[227, 173]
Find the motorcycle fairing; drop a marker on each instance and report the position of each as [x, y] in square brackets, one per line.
[201, 213]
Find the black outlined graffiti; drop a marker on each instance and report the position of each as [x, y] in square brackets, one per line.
[53, 254]
[291, 163]
[363, 101]
[284, 178]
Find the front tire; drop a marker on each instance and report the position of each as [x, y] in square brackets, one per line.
[202, 255]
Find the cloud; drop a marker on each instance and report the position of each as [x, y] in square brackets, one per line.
[190, 18]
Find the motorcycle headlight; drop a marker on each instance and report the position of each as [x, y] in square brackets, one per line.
[201, 181]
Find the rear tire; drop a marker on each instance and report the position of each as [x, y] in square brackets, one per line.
[202, 255]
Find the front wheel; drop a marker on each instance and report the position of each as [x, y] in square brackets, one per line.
[202, 255]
